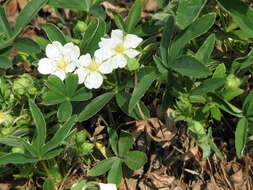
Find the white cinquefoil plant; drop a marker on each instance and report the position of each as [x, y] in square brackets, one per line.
[112, 54]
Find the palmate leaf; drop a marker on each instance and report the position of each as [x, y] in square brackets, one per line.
[134, 16]
[92, 36]
[135, 160]
[191, 67]
[17, 158]
[241, 135]
[60, 135]
[95, 106]
[27, 14]
[102, 167]
[188, 11]
[54, 33]
[241, 13]
[115, 173]
[197, 28]
[141, 88]
[40, 124]
[126, 142]
[64, 111]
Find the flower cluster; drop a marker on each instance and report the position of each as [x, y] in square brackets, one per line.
[113, 53]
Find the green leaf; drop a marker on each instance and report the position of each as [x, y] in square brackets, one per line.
[81, 95]
[209, 85]
[135, 160]
[226, 106]
[241, 13]
[113, 138]
[73, 4]
[132, 64]
[18, 142]
[188, 11]
[55, 84]
[27, 13]
[5, 63]
[191, 67]
[51, 98]
[102, 167]
[95, 106]
[241, 136]
[141, 88]
[81, 185]
[92, 36]
[54, 33]
[167, 39]
[115, 173]
[71, 84]
[123, 99]
[26, 45]
[199, 27]
[16, 158]
[119, 21]
[248, 105]
[42, 42]
[40, 125]
[64, 111]
[48, 185]
[206, 49]
[60, 135]
[134, 16]
[52, 154]
[5, 28]
[126, 142]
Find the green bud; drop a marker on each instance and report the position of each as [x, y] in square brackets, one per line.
[81, 137]
[24, 85]
[5, 119]
[80, 27]
[87, 148]
[232, 82]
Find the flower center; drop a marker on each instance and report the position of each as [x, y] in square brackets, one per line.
[120, 48]
[2, 116]
[62, 64]
[93, 67]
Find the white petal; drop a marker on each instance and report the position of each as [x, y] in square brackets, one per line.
[108, 186]
[45, 66]
[131, 53]
[132, 41]
[60, 74]
[117, 34]
[71, 52]
[84, 60]
[110, 43]
[82, 74]
[103, 54]
[93, 80]
[70, 67]
[106, 67]
[119, 61]
[54, 50]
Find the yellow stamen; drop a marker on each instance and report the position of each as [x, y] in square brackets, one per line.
[2, 116]
[62, 64]
[93, 67]
[120, 48]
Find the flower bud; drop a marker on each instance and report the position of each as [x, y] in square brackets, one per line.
[232, 82]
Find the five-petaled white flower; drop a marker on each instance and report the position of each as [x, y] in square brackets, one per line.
[90, 70]
[107, 186]
[117, 48]
[60, 59]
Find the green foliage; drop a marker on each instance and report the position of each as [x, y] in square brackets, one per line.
[121, 146]
[54, 33]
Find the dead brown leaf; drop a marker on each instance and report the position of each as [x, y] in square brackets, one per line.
[12, 11]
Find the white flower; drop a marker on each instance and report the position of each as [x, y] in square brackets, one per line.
[90, 71]
[107, 186]
[118, 48]
[60, 59]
